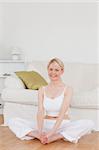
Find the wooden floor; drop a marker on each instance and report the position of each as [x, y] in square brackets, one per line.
[8, 141]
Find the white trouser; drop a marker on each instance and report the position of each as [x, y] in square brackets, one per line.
[71, 130]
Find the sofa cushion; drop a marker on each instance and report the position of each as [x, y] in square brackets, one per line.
[21, 96]
[87, 99]
[31, 79]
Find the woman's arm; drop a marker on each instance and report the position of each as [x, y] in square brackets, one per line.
[64, 108]
[40, 113]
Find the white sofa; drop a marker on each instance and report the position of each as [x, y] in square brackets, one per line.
[21, 102]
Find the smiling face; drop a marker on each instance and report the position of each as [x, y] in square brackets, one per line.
[55, 71]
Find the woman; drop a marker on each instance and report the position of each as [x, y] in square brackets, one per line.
[53, 122]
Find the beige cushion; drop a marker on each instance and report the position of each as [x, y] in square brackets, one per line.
[31, 79]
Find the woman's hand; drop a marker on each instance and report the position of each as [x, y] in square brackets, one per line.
[45, 137]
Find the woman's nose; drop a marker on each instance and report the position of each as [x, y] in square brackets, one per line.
[53, 71]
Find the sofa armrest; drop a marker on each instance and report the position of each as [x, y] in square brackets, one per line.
[13, 82]
[21, 96]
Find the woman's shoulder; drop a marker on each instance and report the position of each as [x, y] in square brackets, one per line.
[67, 86]
[42, 89]
[68, 89]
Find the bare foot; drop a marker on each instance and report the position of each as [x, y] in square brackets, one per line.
[34, 134]
[54, 138]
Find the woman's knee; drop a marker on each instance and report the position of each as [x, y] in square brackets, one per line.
[88, 123]
[13, 121]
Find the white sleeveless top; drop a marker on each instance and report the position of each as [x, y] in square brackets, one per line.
[52, 106]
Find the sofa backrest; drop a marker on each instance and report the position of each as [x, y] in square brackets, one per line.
[80, 76]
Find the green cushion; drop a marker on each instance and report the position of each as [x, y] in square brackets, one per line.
[31, 79]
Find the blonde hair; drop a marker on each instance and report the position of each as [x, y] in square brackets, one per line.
[58, 61]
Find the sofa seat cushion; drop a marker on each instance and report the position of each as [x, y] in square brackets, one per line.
[21, 96]
[88, 99]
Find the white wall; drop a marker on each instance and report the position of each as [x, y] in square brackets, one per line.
[98, 29]
[45, 30]
[46, 1]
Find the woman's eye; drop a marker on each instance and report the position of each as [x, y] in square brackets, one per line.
[51, 69]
